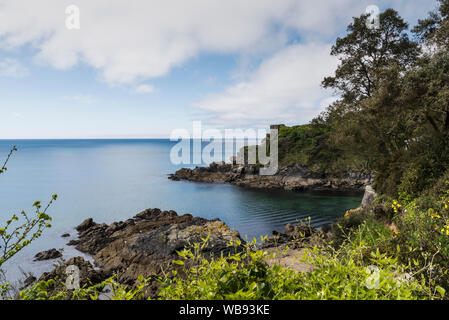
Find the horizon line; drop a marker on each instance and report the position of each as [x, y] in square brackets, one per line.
[167, 138]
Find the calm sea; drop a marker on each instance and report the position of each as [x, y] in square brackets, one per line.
[111, 180]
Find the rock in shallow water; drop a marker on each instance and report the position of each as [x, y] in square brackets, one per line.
[147, 244]
[47, 255]
[88, 275]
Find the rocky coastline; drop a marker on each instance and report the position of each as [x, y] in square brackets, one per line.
[147, 244]
[292, 178]
[144, 245]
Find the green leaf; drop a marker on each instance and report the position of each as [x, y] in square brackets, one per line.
[441, 291]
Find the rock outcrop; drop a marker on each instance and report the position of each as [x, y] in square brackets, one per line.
[88, 275]
[147, 244]
[294, 178]
[47, 255]
[295, 236]
[368, 198]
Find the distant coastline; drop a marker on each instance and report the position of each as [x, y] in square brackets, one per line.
[289, 178]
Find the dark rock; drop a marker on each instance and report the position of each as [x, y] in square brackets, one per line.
[326, 228]
[86, 224]
[28, 282]
[88, 275]
[147, 244]
[47, 255]
[65, 235]
[293, 178]
[294, 235]
[73, 242]
[299, 231]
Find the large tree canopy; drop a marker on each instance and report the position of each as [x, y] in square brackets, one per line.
[364, 51]
[392, 117]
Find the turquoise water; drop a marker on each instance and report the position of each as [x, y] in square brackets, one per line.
[112, 180]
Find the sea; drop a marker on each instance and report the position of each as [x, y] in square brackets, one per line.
[113, 180]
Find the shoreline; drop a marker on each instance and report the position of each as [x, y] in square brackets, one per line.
[293, 178]
[147, 244]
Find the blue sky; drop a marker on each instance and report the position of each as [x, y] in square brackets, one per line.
[141, 70]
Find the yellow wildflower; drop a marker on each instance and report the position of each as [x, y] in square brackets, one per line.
[396, 206]
[445, 230]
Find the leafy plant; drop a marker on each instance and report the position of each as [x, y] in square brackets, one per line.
[20, 230]
[341, 274]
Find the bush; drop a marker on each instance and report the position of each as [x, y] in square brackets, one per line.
[344, 226]
[424, 238]
[341, 274]
[109, 289]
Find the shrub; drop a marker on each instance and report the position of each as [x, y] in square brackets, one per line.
[347, 224]
[341, 274]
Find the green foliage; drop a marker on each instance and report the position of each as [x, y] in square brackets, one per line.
[405, 257]
[16, 235]
[308, 146]
[342, 274]
[392, 118]
[243, 275]
[20, 230]
[393, 115]
[345, 275]
[434, 30]
[346, 225]
[109, 289]
[364, 51]
[424, 234]
[3, 168]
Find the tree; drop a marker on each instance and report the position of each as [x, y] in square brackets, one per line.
[393, 115]
[364, 51]
[371, 60]
[434, 30]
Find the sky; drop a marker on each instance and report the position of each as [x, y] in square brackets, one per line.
[143, 68]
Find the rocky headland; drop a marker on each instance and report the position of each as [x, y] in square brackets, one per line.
[292, 178]
[147, 244]
[144, 245]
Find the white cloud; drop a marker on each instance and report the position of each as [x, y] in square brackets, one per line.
[12, 68]
[286, 87]
[128, 42]
[132, 41]
[144, 88]
[81, 98]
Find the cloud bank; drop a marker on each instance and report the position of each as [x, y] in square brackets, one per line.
[128, 42]
[285, 88]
